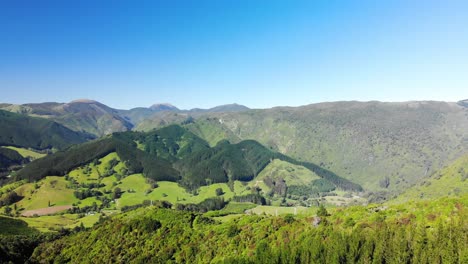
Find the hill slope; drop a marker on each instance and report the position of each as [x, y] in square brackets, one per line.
[38, 133]
[174, 116]
[371, 143]
[138, 114]
[173, 154]
[79, 115]
[449, 181]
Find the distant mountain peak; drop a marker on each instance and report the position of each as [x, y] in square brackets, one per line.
[229, 108]
[84, 101]
[163, 107]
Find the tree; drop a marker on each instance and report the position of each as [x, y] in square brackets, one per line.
[219, 192]
[117, 193]
[7, 210]
[322, 211]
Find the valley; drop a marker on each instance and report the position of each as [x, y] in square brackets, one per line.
[228, 170]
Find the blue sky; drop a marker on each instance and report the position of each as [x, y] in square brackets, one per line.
[257, 53]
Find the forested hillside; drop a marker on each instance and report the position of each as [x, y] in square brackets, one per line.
[37, 133]
[412, 233]
[452, 180]
[174, 154]
[385, 147]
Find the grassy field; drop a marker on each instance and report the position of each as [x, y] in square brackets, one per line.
[51, 190]
[171, 191]
[55, 222]
[57, 191]
[49, 222]
[93, 173]
[290, 173]
[27, 153]
[11, 186]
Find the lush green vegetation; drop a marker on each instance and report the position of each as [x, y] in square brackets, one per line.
[174, 154]
[410, 233]
[363, 142]
[223, 163]
[236, 201]
[136, 161]
[28, 153]
[172, 143]
[37, 133]
[449, 181]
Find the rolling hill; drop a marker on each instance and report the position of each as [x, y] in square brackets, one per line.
[173, 154]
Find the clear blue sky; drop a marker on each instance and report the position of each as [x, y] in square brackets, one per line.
[257, 53]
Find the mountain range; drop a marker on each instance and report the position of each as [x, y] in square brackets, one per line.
[81, 171]
[385, 147]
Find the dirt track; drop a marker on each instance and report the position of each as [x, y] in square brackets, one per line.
[46, 211]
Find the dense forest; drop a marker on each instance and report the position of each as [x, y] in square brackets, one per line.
[174, 154]
[429, 232]
[37, 133]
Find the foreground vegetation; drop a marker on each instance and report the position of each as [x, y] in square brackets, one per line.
[411, 233]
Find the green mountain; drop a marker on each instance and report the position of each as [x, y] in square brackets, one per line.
[162, 119]
[231, 166]
[136, 160]
[173, 154]
[171, 115]
[452, 180]
[138, 114]
[385, 147]
[79, 115]
[23, 134]
[37, 133]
